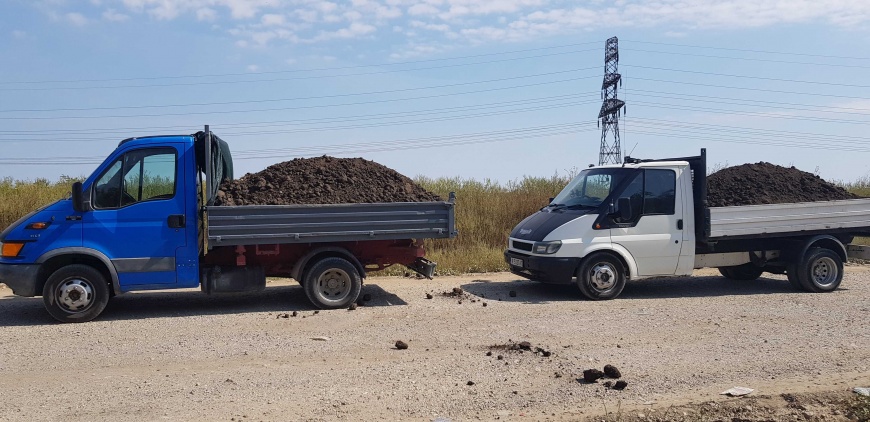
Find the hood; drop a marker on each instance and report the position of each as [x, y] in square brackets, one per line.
[51, 206]
[538, 225]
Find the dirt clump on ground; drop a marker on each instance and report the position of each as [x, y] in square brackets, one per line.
[766, 183]
[322, 180]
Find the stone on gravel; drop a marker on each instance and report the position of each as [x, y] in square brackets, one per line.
[322, 180]
[620, 385]
[428, 296]
[766, 183]
[592, 375]
[352, 307]
[401, 345]
[612, 372]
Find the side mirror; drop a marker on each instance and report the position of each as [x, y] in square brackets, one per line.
[623, 209]
[77, 197]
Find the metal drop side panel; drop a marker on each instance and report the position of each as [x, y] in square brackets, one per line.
[852, 215]
[277, 224]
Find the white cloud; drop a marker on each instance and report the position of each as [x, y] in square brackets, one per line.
[422, 9]
[76, 18]
[112, 16]
[253, 68]
[444, 23]
[206, 14]
[272, 20]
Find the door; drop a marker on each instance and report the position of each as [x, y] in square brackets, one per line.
[138, 217]
[654, 235]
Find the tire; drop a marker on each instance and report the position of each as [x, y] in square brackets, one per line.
[601, 276]
[75, 293]
[791, 271]
[332, 283]
[821, 270]
[745, 272]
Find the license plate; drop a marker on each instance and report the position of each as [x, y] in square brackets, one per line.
[516, 262]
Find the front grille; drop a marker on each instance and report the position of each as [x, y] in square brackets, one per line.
[523, 246]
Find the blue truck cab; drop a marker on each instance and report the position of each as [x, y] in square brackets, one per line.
[125, 228]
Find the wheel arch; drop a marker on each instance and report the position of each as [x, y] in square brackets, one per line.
[820, 241]
[52, 260]
[303, 264]
[620, 253]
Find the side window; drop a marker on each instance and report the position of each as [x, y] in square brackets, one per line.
[659, 192]
[147, 175]
[634, 192]
[107, 193]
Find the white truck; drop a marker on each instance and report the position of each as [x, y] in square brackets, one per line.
[649, 218]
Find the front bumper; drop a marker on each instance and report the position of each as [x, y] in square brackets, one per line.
[21, 278]
[543, 268]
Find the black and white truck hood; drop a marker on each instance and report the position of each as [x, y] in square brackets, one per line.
[538, 225]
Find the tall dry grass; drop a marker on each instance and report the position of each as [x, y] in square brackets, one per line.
[486, 211]
[18, 198]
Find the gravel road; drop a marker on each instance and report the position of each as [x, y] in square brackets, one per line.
[183, 355]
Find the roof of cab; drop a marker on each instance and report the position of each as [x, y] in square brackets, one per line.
[157, 138]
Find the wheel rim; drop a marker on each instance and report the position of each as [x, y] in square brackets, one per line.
[75, 295]
[825, 272]
[334, 285]
[602, 277]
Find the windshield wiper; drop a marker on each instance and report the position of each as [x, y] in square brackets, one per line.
[553, 207]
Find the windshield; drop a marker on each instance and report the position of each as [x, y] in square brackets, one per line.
[590, 188]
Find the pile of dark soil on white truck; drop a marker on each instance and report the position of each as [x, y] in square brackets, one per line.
[766, 183]
[322, 180]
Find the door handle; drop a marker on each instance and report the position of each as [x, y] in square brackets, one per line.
[680, 224]
[176, 221]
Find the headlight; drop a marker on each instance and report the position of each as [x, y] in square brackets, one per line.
[547, 247]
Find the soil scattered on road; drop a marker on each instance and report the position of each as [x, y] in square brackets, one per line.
[322, 180]
[766, 183]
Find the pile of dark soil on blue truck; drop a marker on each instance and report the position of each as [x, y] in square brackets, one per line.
[766, 183]
[322, 180]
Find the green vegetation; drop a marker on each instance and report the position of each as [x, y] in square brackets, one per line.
[486, 211]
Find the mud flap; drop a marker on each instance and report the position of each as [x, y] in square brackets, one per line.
[424, 267]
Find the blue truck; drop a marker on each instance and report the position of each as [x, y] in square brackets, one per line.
[146, 220]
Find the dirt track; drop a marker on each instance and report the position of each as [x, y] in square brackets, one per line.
[187, 356]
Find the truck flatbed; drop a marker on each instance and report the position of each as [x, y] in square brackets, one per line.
[754, 221]
[282, 224]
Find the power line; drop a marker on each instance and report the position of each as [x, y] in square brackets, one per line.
[718, 100]
[354, 148]
[681, 95]
[753, 114]
[546, 106]
[317, 97]
[751, 51]
[749, 89]
[272, 123]
[754, 59]
[749, 77]
[324, 68]
[301, 107]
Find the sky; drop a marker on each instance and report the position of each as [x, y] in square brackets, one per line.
[497, 89]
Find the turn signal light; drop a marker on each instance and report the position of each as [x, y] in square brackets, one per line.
[37, 226]
[11, 250]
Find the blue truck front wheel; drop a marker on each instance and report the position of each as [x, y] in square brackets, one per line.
[75, 293]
